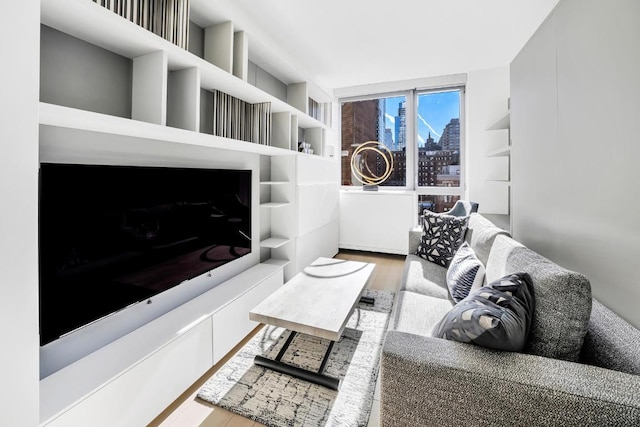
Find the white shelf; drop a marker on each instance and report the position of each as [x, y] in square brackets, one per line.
[95, 24]
[503, 122]
[273, 242]
[56, 117]
[273, 182]
[277, 262]
[273, 205]
[500, 152]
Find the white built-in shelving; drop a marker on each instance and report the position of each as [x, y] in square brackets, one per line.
[278, 210]
[162, 69]
[168, 116]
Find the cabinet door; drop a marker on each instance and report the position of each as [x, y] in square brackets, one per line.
[318, 205]
[147, 388]
[321, 242]
[315, 170]
[231, 323]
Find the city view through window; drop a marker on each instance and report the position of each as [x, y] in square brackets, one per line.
[434, 145]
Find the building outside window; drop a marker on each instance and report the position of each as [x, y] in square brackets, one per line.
[424, 134]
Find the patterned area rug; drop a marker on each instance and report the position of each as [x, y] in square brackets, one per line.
[276, 399]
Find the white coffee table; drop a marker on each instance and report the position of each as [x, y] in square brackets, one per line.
[317, 301]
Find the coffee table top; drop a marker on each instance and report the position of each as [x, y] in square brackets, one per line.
[317, 301]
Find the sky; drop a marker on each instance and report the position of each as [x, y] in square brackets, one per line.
[435, 110]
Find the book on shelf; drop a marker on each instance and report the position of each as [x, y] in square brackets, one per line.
[168, 19]
[237, 119]
[320, 111]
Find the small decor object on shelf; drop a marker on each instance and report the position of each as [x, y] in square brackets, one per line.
[364, 157]
[305, 147]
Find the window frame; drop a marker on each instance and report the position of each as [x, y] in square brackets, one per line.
[412, 158]
[408, 94]
[434, 190]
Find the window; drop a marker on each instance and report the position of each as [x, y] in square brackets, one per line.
[378, 119]
[423, 131]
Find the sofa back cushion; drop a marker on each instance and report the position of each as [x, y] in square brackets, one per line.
[480, 236]
[611, 342]
[563, 299]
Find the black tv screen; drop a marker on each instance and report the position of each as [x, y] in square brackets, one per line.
[112, 236]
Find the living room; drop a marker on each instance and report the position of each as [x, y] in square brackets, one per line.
[564, 70]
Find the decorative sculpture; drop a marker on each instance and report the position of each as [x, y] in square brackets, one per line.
[359, 162]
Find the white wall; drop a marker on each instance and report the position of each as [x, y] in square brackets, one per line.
[487, 97]
[575, 104]
[19, 46]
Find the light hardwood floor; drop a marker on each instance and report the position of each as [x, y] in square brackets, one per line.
[188, 411]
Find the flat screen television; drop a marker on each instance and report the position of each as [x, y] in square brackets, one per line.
[113, 236]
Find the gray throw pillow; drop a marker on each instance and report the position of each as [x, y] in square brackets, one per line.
[465, 273]
[442, 235]
[497, 315]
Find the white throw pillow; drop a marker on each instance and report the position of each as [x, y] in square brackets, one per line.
[465, 273]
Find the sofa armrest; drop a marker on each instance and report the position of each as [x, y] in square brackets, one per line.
[432, 381]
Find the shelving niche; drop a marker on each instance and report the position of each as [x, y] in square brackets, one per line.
[278, 212]
[500, 178]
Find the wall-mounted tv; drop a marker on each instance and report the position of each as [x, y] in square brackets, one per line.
[113, 236]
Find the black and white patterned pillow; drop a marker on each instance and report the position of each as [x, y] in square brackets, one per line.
[465, 272]
[442, 235]
[497, 315]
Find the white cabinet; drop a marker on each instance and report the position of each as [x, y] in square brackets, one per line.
[232, 321]
[137, 395]
[377, 221]
[319, 204]
[130, 381]
[317, 194]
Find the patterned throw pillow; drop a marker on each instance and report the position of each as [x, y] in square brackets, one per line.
[465, 273]
[442, 235]
[497, 315]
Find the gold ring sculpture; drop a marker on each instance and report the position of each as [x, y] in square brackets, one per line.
[370, 178]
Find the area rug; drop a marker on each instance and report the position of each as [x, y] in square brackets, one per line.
[276, 399]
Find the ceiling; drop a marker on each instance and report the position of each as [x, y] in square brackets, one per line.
[343, 43]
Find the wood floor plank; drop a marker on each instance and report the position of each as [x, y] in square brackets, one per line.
[188, 411]
[219, 417]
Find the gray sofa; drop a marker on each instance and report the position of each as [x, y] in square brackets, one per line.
[580, 366]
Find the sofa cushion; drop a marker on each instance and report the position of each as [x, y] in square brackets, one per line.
[418, 314]
[497, 315]
[480, 235]
[563, 299]
[442, 235]
[464, 273]
[424, 277]
[611, 342]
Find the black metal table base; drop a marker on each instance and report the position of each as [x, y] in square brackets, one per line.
[304, 374]
[300, 373]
